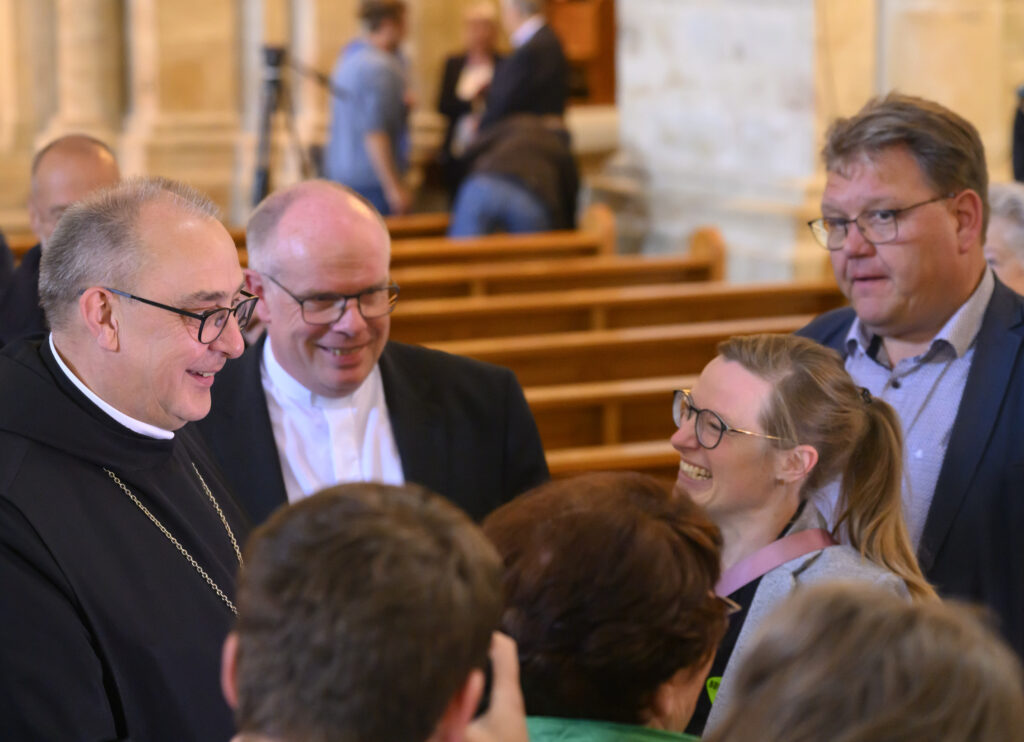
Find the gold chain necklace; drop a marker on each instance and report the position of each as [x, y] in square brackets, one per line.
[184, 552]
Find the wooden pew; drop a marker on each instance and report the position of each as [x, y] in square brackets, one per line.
[602, 355]
[460, 318]
[657, 458]
[403, 226]
[604, 412]
[549, 275]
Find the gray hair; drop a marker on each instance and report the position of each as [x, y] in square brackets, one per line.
[857, 663]
[261, 229]
[96, 242]
[1007, 203]
[946, 146]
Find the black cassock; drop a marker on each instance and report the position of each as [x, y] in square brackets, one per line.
[106, 631]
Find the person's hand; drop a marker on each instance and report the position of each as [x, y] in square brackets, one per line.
[399, 199]
[505, 718]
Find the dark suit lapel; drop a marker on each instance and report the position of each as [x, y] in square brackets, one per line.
[260, 478]
[417, 420]
[995, 352]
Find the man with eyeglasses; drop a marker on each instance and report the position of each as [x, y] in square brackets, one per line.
[119, 539]
[934, 333]
[326, 398]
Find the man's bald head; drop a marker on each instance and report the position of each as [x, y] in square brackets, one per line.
[65, 171]
[319, 244]
[310, 207]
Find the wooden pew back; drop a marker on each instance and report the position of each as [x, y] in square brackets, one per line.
[602, 355]
[569, 310]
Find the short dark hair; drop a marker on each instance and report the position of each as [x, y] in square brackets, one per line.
[361, 612]
[946, 146]
[374, 12]
[609, 589]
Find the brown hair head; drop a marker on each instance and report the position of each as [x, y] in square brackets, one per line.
[946, 146]
[815, 402]
[362, 610]
[609, 584]
[856, 663]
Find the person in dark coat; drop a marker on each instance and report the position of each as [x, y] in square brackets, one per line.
[522, 178]
[934, 333]
[535, 77]
[64, 171]
[326, 398]
[119, 539]
[464, 84]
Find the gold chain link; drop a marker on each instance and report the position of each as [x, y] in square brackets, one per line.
[184, 552]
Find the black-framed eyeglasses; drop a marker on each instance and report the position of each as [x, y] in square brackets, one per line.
[326, 310]
[211, 322]
[708, 424]
[877, 226]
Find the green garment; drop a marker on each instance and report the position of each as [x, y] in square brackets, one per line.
[552, 729]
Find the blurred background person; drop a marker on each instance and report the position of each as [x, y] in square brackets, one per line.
[367, 147]
[609, 594]
[522, 178]
[855, 663]
[1004, 239]
[767, 423]
[64, 171]
[464, 84]
[535, 76]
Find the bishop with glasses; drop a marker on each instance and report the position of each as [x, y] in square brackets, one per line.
[119, 539]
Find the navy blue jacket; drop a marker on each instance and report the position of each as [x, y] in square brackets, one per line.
[973, 541]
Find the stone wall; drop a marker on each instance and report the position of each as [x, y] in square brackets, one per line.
[726, 103]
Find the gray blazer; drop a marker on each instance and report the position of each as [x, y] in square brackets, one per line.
[840, 562]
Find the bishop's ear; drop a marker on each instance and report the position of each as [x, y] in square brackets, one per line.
[98, 310]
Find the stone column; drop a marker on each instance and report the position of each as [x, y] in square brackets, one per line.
[88, 72]
[726, 103]
[184, 95]
[952, 51]
[723, 103]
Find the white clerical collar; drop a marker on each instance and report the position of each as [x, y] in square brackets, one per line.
[296, 393]
[150, 431]
[526, 30]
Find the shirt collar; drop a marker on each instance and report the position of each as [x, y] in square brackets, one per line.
[137, 426]
[296, 393]
[526, 30]
[959, 331]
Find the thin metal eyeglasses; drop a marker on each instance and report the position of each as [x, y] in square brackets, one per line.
[372, 304]
[877, 226]
[211, 322]
[709, 425]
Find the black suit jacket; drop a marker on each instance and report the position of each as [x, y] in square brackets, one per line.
[462, 427]
[6, 265]
[533, 79]
[20, 313]
[973, 541]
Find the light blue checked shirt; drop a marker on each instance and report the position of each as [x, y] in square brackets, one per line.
[925, 391]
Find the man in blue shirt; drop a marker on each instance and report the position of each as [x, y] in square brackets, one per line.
[367, 146]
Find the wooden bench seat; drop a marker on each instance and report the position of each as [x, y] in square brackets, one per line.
[602, 355]
[604, 412]
[550, 275]
[461, 318]
[657, 458]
